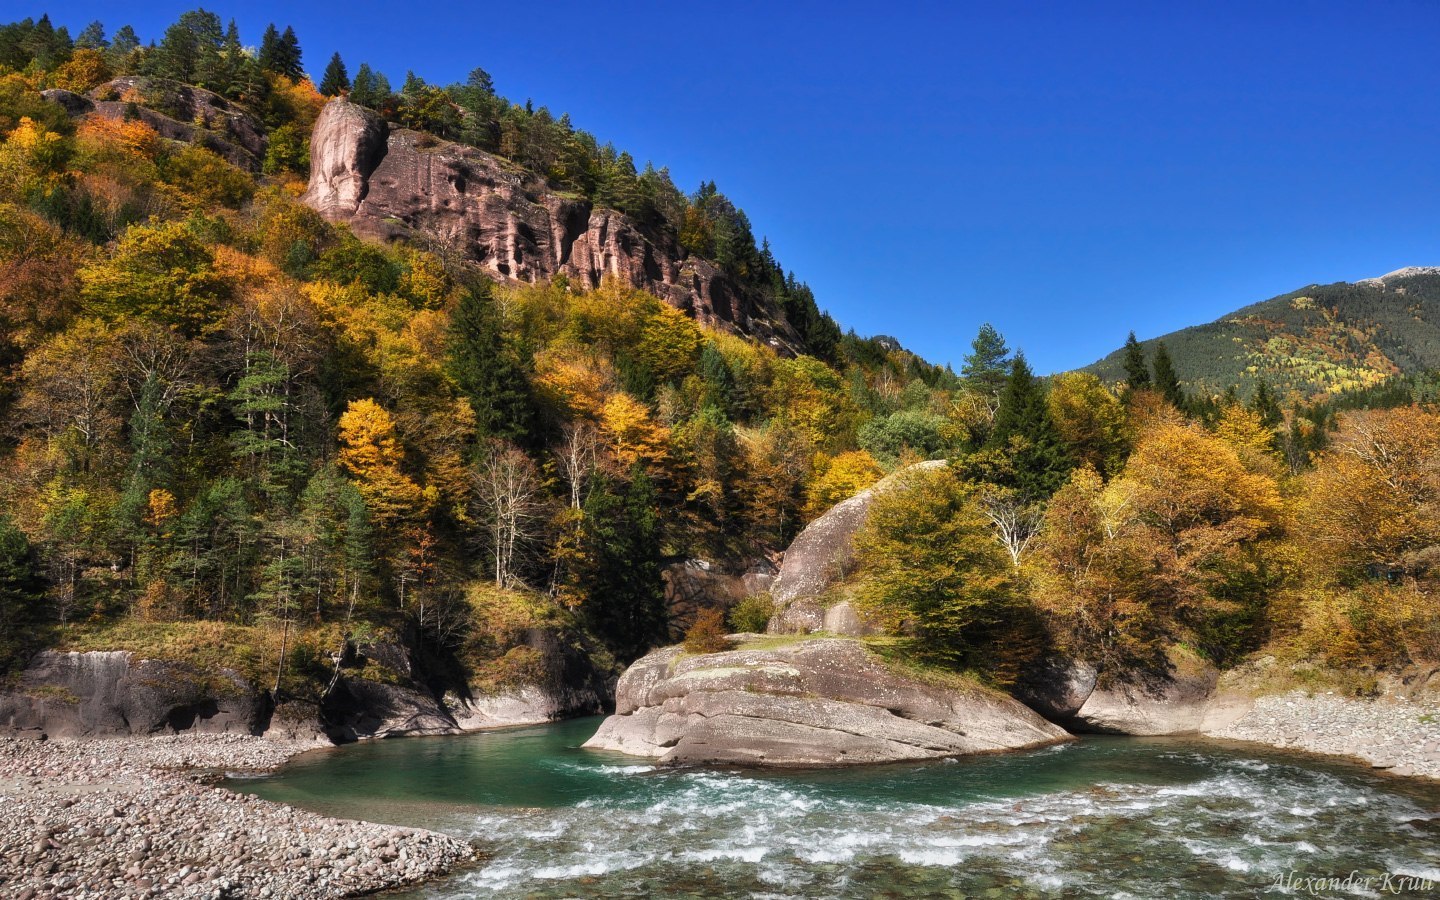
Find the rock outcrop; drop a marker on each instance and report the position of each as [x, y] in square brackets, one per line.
[821, 556]
[179, 112]
[507, 220]
[811, 702]
[1183, 701]
[347, 144]
[107, 694]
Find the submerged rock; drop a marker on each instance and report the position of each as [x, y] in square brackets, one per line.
[821, 701]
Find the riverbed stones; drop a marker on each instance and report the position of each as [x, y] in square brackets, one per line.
[121, 819]
[811, 702]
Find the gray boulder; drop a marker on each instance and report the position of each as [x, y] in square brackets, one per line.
[1183, 701]
[821, 556]
[110, 694]
[814, 702]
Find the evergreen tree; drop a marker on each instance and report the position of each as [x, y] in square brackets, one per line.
[280, 53]
[20, 593]
[987, 365]
[336, 78]
[1137, 374]
[1265, 405]
[1166, 381]
[271, 52]
[370, 88]
[488, 370]
[124, 43]
[92, 37]
[292, 66]
[619, 574]
[1025, 432]
[190, 51]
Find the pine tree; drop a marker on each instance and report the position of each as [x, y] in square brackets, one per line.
[1137, 374]
[271, 52]
[1025, 431]
[987, 365]
[1167, 382]
[619, 571]
[20, 593]
[92, 37]
[487, 370]
[336, 78]
[292, 66]
[1265, 405]
[370, 88]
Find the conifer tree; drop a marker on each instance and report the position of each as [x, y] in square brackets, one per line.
[1167, 382]
[1265, 405]
[20, 591]
[336, 78]
[487, 370]
[293, 66]
[1025, 431]
[271, 52]
[1137, 374]
[987, 365]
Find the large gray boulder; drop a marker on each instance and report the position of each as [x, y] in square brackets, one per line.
[112, 694]
[822, 555]
[1184, 700]
[811, 702]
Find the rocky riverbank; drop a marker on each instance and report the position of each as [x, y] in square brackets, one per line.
[1392, 733]
[133, 818]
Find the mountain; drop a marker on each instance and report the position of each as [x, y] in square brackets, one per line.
[1318, 339]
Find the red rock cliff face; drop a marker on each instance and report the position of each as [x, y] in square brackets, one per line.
[393, 184]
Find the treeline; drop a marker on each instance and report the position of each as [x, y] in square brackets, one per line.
[1139, 529]
[217, 408]
[198, 50]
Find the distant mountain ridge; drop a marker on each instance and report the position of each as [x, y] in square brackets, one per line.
[1318, 339]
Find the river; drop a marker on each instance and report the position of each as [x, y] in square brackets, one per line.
[1105, 816]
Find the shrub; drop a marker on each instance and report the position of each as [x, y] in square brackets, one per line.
[752, 614]
[707, 635]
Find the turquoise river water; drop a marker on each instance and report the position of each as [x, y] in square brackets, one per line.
[1102, 817]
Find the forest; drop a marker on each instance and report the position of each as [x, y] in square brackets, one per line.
[233, 432]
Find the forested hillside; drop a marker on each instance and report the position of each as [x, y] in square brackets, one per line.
[220, 410]
[1321, 339]
[235, 432]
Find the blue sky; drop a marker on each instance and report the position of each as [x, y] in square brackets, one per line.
[1067, 171]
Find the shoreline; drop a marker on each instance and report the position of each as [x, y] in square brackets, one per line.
[135, 817]
[138, 817]
[1394, 735]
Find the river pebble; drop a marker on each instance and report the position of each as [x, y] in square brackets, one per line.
[1392, 733]
[133, 818]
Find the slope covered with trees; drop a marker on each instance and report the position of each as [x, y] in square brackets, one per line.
[231, 429]
[1317, 340]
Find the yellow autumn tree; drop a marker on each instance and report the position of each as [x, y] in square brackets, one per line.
[1090, 419]
[371, 454]
[632, 436]
[838, 478]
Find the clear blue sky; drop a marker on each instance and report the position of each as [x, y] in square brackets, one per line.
[1067, 171]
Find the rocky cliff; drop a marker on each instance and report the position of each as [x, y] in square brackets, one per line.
[818, 701]
[393, 183]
